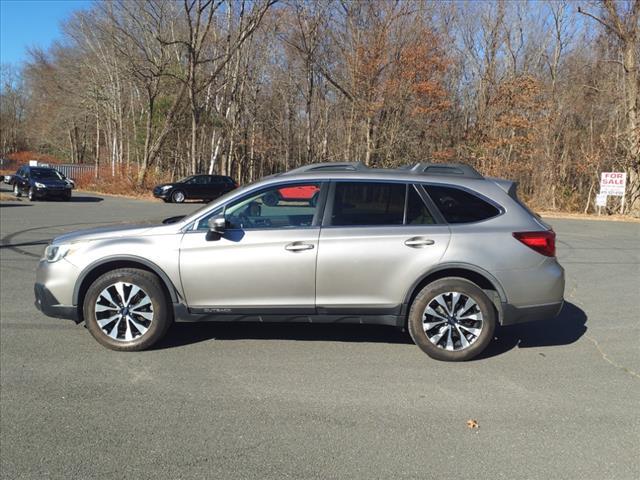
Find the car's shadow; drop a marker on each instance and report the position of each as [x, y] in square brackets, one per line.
[189, 333]
[565, 329]
[73, 199]
[14, 204]
[84, 199]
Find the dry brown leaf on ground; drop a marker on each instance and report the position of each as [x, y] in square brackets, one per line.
[472, 423]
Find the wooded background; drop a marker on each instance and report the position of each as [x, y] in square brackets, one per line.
[544, 92]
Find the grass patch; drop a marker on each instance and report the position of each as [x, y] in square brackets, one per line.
[8, 197]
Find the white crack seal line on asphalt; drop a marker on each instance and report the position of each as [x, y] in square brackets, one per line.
[604, 355]
[595, 342]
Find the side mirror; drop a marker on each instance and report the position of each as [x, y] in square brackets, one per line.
[217, 225]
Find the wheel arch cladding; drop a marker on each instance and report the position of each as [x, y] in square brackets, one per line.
[95, 270]
[482, 279]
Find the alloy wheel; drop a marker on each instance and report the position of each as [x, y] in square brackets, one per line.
[452, 321]
[124, 311]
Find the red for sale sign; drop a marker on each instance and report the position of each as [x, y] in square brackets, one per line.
[613, 183]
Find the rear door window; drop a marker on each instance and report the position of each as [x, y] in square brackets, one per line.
[460, 206]
[364, 203]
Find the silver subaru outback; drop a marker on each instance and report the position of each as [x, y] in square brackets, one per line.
[437, 249]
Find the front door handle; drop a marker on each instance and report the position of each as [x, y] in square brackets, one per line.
[299, 246]
[418, 242]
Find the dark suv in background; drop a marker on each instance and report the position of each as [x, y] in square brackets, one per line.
[41, 182]
[195, 187]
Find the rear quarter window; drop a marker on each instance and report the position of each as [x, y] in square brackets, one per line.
[460, 206]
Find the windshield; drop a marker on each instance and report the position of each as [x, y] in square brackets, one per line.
[185, 179]
[46, 173]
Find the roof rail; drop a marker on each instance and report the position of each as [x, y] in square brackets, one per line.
[457, 169]
[332, 166]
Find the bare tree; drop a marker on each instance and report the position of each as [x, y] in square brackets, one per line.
[622, 20]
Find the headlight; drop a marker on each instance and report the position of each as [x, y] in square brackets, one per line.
[53, 253]
[40, 185]
[166, 187]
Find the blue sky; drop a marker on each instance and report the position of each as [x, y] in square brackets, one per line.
[28, 23]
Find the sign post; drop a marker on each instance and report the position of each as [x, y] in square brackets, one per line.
[614, 184]
[601, 201]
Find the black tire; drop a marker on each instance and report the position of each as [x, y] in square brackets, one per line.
[178, 196]
[67, 197]
[477, 344]
[16, 190]
[31, 195]
[271, 199]
[149, 283]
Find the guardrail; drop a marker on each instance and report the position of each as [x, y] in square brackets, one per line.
[70, 170]
[74, 170]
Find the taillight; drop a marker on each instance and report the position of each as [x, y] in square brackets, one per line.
[543, 242]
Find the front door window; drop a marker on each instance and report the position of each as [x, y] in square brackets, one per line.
[290, 206]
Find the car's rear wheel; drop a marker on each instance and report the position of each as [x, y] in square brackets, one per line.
[16, 190]
[178, 196]
[126, 309]
[452, 319]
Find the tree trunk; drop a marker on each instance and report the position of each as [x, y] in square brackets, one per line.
[631, 79]
[97, 145]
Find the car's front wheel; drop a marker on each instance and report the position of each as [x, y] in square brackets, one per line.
[178, 196]
[32, 194]
[452, 319]
[126, 309]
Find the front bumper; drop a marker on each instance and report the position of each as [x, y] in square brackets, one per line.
[48, 304]
[53, 289]
[163, 194]
[52, 192]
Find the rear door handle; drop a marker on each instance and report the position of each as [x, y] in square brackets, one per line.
[299, 246]
[418, 242]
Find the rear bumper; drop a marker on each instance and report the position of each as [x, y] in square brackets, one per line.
[48, 304]
[512, 315]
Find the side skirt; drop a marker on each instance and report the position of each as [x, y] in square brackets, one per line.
[184, 314]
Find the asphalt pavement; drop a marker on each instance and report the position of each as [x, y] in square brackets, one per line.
[554, 399]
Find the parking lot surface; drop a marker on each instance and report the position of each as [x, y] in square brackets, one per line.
[554, 399]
